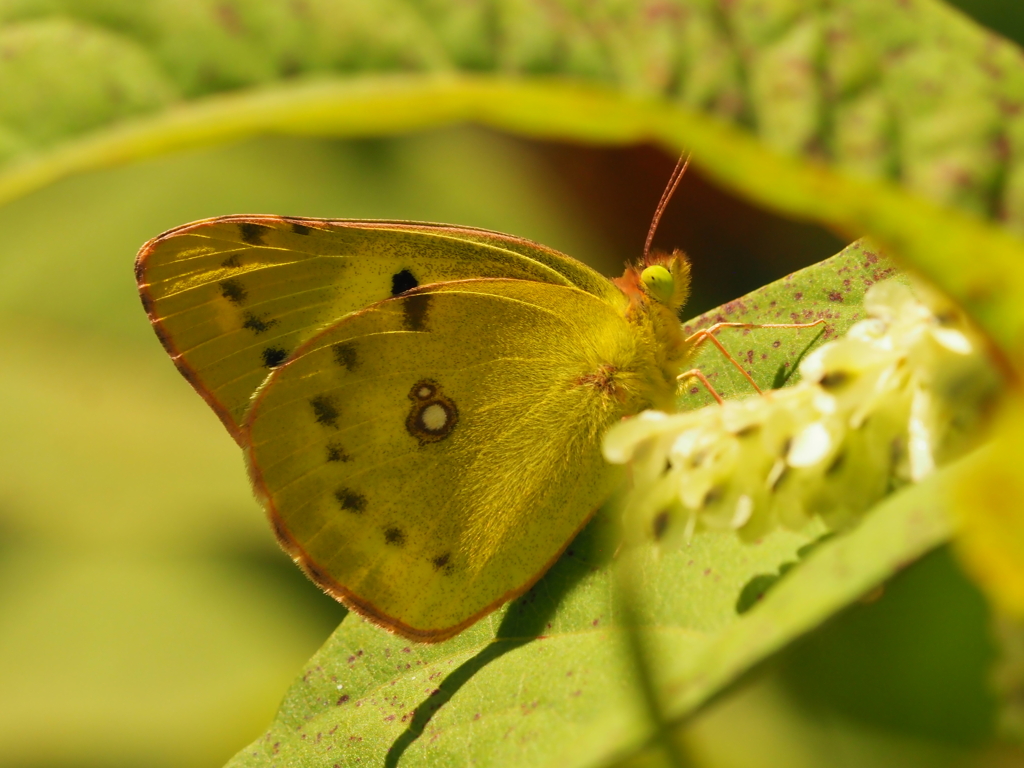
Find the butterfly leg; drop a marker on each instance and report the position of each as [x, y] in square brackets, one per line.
[696, 373]
[708, 334]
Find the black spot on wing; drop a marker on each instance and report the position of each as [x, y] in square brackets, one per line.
[252, 233]
[299, 229]
[336, 453]
[232, 261]
[345, 355]
[273, 357]
[324, 410]
[394, 536]
[257, 324]
[233, 291]
[416, 308]
[351, 501]
[441, 561]
[403, 281]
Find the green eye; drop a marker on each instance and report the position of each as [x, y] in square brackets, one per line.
[659, 283]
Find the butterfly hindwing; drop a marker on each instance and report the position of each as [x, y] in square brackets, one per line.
[232, 298]
[428, 457]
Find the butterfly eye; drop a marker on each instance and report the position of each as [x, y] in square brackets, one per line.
[659, 283]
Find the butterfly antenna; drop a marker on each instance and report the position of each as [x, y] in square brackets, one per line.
[670, 188]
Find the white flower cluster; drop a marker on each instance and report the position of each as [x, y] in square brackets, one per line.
[901, 392]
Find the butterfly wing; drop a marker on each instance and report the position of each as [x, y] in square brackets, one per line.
[231, 298]
[428, 458]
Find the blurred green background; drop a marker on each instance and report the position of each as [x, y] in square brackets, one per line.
[148, 617]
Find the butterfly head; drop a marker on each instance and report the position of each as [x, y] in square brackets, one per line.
[660, 280]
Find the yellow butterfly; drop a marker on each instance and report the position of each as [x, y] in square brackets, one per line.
[421, 406]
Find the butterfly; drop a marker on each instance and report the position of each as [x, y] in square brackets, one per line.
[420, 406]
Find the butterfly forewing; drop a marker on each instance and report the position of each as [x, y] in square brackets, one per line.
[232, 298]
[427, 458]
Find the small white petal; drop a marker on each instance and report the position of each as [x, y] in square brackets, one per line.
[922, 462]
[651, 415]
[744, 509]
[810, 446]
[685, 443]
[776, 472]
[953, 340]
[824, 404]
[691, 526]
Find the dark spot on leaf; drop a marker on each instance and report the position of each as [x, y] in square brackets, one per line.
[416, 308]
[273, 357]
[403, 281]
[394, 536]
[336, 453]
[256, 324]
[345, 356]
[344, 698]
[228, 16]
[233, 291]
[252, 233]
[325, 411]
[350, 500]
[835, 296]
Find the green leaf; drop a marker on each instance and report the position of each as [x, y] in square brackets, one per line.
[832, 291]
[499, 694]
[847, 101]
[548, 680]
